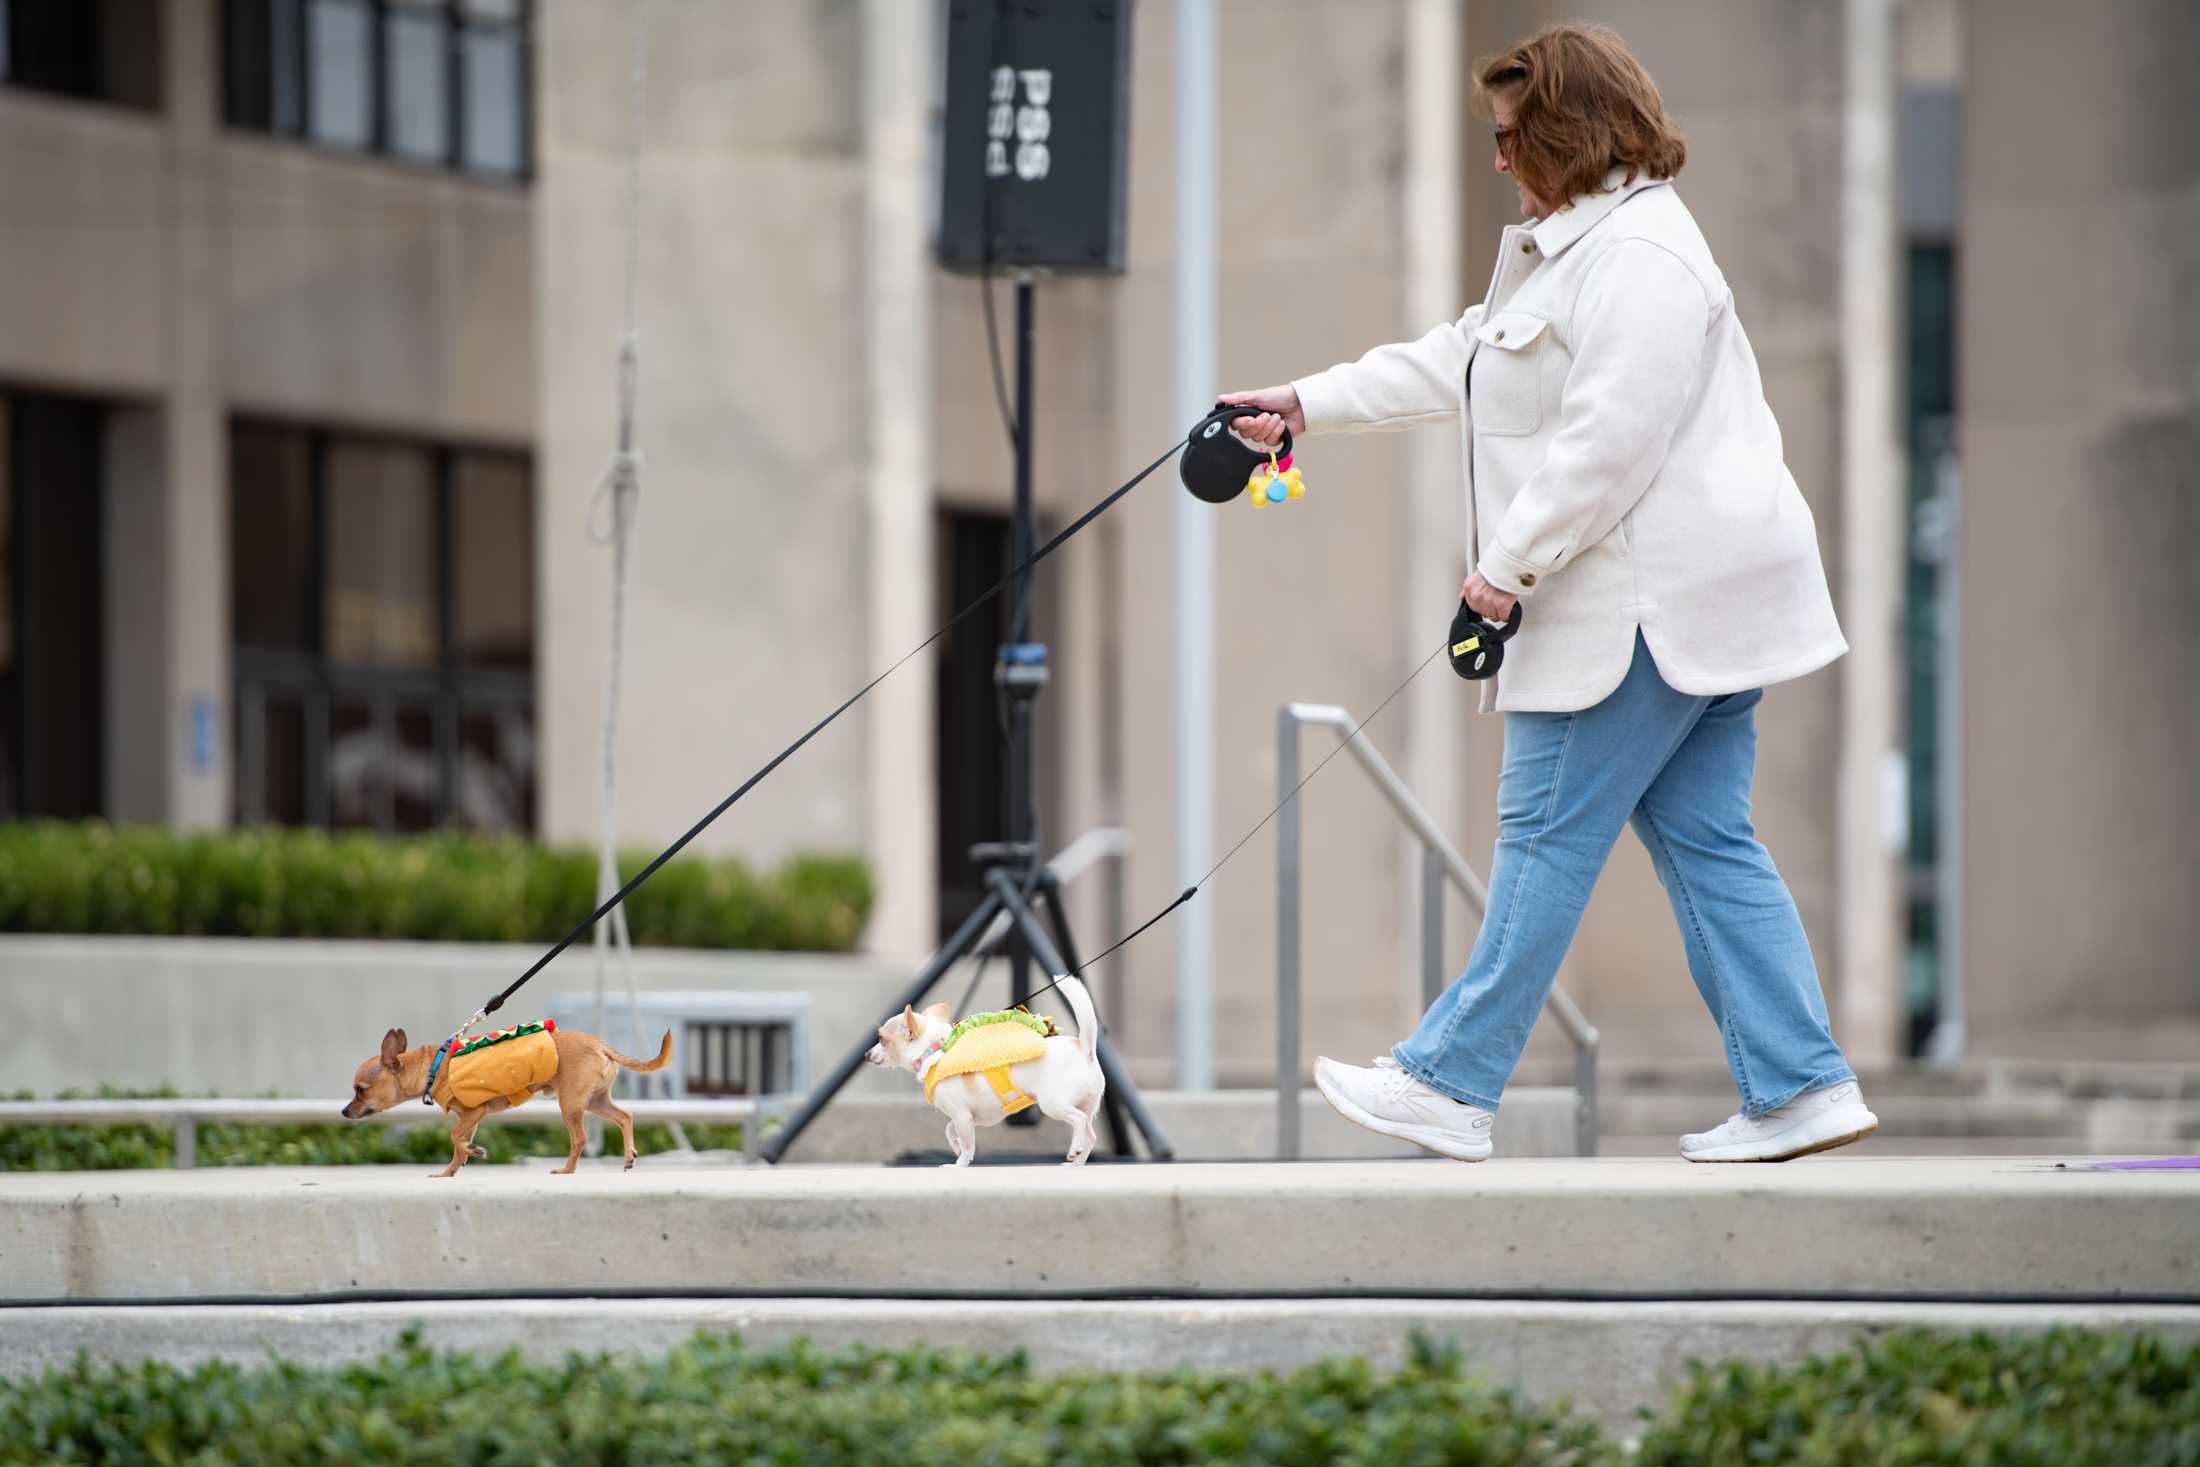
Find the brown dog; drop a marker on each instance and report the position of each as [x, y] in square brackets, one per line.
[586, 1068]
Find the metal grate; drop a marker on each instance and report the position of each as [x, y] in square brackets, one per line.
[738, 1058]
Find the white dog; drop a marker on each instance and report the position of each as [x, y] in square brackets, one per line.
[1062, 1078]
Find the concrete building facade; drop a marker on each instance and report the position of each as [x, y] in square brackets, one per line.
[826, 473]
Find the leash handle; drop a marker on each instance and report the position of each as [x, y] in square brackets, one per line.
[1226, 413]
[1477, 644]
[1216, 464]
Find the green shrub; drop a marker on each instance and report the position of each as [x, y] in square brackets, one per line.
[452, 887]
[2062, 1399]
[712, 1400]
[339, 1143]
[2058, 1399]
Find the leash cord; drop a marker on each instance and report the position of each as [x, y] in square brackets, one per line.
[819, 727]
[1193, 890]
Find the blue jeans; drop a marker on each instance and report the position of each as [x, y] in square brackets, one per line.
[1678, 768]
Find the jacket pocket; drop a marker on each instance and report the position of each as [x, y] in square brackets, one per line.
[1505, 386]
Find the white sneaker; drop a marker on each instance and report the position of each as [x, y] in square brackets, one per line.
[1390, 1102]
[1816, 1120]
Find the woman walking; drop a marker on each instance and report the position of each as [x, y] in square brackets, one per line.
[1625, 482]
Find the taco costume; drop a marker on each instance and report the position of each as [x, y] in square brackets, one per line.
[508, 1063]
[987, 1044]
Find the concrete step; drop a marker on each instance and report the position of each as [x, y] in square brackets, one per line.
[1608, 1358]
[1857, 1227]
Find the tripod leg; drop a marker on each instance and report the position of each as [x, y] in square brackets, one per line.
[1050, 892]
[1042, 947]
[955, 947]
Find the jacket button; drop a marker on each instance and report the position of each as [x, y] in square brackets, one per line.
[1528, 580]
[1527, 247]
[1499, 337]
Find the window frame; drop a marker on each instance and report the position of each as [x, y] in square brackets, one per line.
[452, 687]
[458, 24]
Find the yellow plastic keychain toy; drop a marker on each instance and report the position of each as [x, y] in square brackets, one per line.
[1275, 481]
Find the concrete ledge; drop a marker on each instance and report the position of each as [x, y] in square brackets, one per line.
[1828, 1228]
[1608, 1359]
[1213, 1125]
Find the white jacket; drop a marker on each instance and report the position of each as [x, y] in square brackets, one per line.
[1623, 468]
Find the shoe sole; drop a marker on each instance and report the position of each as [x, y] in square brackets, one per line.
[1443, 1143]
[1807, 1148]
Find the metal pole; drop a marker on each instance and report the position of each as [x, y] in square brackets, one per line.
[1585, 1098]
[1432, 540]
[1019, 743]
[1192, 558]
[1947, 1042]
[1868, 1007]
[1432, 924]
[1287, 937]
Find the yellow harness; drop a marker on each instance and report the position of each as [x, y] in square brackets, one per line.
[989, 1050]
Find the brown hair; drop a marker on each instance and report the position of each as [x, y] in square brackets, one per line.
[1582, 105]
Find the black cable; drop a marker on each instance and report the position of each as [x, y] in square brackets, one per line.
[993, 350]
[816, 728]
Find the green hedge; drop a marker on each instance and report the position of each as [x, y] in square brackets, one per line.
[2063, 1399]
[92, 878]
[339, 1143]
[2059, 1399]
[711, 1400]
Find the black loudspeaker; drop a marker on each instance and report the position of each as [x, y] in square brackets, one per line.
[1037, 143]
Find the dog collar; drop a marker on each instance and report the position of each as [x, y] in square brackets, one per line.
[427, 1096]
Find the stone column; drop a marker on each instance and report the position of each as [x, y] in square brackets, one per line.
[169, 744]
[900, 729]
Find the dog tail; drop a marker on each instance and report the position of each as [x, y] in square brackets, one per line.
[664, 1057]
[1088, 1018]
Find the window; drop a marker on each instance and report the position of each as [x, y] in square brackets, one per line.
[107, 50]
[51, 669]
[975, 549]
[382, 597]
[436, 82]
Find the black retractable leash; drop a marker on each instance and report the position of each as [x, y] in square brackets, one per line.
[1216, 468]
[1476, 644]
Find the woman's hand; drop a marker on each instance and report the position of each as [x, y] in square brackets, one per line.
[1279, 409]
[1488, 602]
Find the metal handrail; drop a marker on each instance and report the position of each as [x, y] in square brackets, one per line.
[185, 1115]
[1441, 862]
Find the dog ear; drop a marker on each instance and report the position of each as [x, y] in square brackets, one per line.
[909, 1019]
[393, 1044]
[936, 1011]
